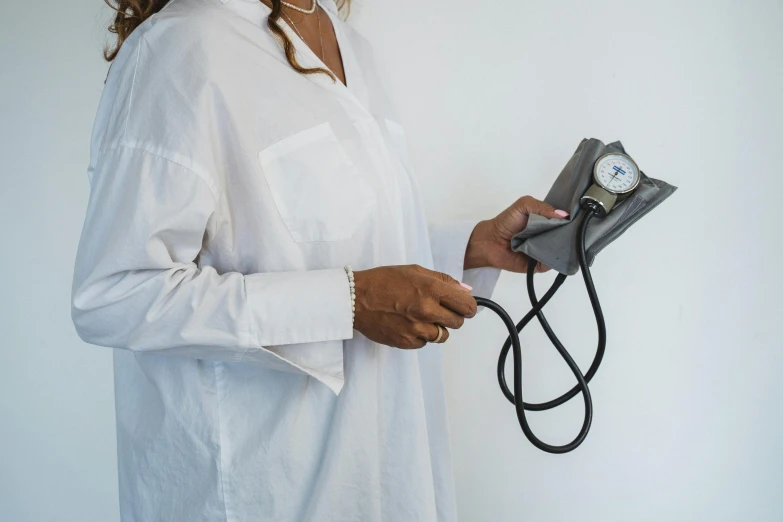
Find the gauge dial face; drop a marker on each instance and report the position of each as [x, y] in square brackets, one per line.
[617, 173]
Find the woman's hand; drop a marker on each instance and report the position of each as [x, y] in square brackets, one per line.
[399, 305]
[490, 242]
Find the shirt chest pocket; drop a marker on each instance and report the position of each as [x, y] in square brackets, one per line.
[318, 191]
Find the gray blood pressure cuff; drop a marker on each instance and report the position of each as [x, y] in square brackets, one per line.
[553, 241]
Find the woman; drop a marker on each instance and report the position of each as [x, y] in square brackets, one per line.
[244, 153]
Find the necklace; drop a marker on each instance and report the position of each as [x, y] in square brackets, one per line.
[320, 36]
[297, 8]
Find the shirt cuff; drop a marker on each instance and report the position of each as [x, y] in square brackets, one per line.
[297, 322]
[449, 243]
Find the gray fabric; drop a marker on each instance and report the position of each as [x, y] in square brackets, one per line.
[553, 241]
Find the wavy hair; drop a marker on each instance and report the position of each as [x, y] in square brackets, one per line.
[131, 13]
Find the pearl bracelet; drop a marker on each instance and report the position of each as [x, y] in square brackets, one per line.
[352, 285]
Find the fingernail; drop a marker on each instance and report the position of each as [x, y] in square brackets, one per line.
[466, 287]
[561, 213]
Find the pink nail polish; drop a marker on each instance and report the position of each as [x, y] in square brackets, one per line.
[561, 213]
[466, 287]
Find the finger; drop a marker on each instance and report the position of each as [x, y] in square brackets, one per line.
[444, 335]
[413, 342]
[432, 311]
[430, 331]
[419, 343]
[445, 317]
[541, 268]
[531, 205]
[458, 301]
[442, 277]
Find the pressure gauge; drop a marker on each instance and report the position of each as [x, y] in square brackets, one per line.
[615, 176]
[617, 173]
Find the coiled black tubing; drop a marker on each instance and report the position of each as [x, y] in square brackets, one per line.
[512, 342]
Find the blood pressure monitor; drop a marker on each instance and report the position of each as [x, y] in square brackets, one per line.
[615, 176]
[611, 176]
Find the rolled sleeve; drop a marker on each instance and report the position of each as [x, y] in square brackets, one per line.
[136, 285]
[299, 307]
[289, 311]
[449, 243]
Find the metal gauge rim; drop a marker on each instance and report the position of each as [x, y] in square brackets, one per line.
[630, 159]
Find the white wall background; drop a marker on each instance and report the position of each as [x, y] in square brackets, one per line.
[495, 97]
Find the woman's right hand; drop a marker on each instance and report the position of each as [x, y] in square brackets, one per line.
[399, 305]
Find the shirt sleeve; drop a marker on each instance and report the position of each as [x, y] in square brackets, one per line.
[449, 243]
[137, 284]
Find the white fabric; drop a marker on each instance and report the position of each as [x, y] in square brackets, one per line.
[227, 193]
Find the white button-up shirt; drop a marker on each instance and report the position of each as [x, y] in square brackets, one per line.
[227, 193]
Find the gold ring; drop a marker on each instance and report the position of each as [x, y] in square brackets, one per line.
[440, 334]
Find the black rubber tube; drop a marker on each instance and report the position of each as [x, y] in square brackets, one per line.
[513, 343]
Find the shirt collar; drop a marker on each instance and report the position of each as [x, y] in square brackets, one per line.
[329, 5]
[355, 93]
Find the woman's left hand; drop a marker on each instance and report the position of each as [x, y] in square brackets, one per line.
[490, 242]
